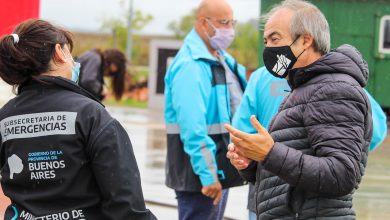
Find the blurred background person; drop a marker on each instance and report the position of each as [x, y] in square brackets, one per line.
[317, 146]
[96, 65]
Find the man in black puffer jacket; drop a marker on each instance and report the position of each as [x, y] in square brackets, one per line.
[313, 159]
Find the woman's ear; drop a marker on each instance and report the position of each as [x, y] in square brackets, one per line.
[59, 55]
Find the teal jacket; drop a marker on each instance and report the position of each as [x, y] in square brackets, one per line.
[197, 104]
[264, 94]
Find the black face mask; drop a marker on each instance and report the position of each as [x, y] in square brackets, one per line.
[279, 60]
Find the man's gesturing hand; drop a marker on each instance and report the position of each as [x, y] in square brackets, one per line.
[238, 161]
[252, 146]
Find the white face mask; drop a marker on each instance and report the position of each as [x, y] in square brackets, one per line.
[222, 38]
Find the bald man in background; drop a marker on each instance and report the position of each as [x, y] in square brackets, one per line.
[203, 87]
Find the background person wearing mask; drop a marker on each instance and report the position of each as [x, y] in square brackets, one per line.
[262, 98]
[313, 158]
[62, 155]
[95, 65]
[203, 87]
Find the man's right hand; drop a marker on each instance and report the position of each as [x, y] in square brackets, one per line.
[214, 191]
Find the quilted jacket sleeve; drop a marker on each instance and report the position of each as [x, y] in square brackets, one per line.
[335, 119]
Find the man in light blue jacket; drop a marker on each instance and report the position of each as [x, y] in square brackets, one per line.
[262, 98]
[203, 88]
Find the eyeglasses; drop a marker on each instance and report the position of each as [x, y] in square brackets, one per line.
[225, 22]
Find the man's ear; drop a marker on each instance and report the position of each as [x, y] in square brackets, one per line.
[59, 56]
[201, 19]
[307, 41]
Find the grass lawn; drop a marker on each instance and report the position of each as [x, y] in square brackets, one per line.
[125, 103]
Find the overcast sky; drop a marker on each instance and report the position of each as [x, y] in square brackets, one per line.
[88, 15]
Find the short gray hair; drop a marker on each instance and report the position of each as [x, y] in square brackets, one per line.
[307, 19]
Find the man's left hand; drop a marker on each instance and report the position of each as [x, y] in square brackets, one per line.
[214, 191]
[252, 146]
[238, 161]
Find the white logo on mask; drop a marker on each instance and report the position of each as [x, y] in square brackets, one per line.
[282, 64]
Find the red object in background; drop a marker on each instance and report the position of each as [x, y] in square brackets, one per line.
[12, 12]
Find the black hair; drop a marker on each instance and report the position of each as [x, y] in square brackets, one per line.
[29, 57]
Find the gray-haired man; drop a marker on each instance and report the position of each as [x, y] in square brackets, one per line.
[312, 160]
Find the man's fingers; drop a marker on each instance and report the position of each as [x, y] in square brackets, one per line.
[256, 124]
[213, 194]
[232, 155]
[210, 192]
[236, 141]
[218, 197]
[231, 147]
[241, 167]
[235, 132]
[243, 164]
[229, 155]
[205, 191]
[238, 164]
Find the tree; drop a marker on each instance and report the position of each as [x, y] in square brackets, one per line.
[181, 28]
[118, 28]
[245, 47]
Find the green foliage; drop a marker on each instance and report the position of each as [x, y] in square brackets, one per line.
[118, 27]
[245, 45]
[140, 20]
[139, 73]
[181, 28]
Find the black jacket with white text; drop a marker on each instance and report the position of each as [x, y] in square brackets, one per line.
[64, 157]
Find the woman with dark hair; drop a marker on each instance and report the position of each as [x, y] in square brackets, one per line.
[115, 63]
[96, 64]
[62, 156]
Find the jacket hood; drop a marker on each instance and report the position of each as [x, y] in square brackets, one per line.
[345, 59]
